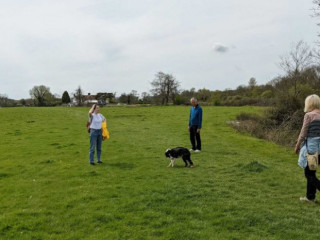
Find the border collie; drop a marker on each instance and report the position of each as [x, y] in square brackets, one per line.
[177, 152]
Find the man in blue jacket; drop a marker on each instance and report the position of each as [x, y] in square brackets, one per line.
[195, 122]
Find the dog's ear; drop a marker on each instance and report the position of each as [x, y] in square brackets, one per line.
[167, 153]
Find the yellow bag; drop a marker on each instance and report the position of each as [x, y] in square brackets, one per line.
[312, 161]
[105, 132]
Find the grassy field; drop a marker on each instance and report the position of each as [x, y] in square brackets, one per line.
[240, 188]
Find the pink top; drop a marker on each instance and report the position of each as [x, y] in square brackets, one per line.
[308, 118]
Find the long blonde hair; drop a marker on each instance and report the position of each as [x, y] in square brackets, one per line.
[312, 102]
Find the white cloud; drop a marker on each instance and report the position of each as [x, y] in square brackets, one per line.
[218, 47]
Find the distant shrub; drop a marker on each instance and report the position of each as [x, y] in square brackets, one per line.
[178, 100]
[268, 127]
[267, 94]
[247, 116]
[216, 102]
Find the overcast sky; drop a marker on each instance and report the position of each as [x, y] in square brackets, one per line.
[119, 45]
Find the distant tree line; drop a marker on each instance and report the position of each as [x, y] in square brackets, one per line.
[166, 90]
[301, 79]
[285, 93]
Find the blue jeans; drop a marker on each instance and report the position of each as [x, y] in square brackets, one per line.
[95, 141]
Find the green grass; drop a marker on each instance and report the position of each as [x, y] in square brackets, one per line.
[240, 188]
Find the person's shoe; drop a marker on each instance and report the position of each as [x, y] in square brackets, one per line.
[191, 166]
[99, 162]
[197, 150]
[305, 199]
[92, 163]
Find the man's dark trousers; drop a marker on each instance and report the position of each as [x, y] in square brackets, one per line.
[194, 135]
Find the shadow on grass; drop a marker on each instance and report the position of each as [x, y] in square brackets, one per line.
[181, 166]
[4, 175]
[123, 165]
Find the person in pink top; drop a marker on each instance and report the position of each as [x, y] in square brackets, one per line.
[309, 139]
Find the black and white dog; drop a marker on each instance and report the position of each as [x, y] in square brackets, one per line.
[177, 152]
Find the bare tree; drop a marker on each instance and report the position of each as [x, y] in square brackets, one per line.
[296, 61]
[165, 86]
[158, 86]
[130, 98]
[78, 95]
[4, 101]
[145, 97]
[41, 95]
[252, 82]
[316, 9]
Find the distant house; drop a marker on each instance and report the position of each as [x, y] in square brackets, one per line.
[104, 98]
[90, 99]
[73, 101]
[99, 98]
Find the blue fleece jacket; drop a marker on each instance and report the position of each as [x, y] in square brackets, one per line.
[195, 116]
